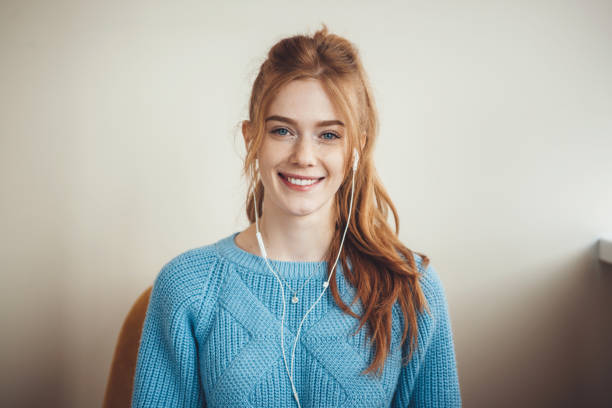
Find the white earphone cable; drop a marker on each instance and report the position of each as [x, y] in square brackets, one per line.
[325, 284]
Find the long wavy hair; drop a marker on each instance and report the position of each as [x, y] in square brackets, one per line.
[383, 270]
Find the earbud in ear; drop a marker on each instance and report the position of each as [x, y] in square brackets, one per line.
[355, 159]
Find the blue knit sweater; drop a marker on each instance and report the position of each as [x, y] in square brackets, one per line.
[212, 336]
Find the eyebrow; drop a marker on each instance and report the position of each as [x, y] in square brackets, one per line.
[294, 123]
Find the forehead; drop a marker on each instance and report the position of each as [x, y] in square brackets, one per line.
[305, 100]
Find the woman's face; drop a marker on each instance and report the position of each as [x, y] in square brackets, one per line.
[302, 156]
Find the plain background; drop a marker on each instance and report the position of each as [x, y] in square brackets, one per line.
[120, 149]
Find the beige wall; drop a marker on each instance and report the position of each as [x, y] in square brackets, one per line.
[119, 150]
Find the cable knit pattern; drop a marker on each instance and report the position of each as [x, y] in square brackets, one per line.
[211, 338]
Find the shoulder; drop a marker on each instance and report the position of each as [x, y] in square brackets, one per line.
[434, 321]
[189, 267]
[187, 279]
[430, 281]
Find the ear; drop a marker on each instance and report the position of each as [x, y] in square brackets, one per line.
[246, 132]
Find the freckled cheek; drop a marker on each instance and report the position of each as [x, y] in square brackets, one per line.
[335, 164]
[274, 153]
[270, 157]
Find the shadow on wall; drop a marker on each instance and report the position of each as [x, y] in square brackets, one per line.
[548, 346]
[602, 353]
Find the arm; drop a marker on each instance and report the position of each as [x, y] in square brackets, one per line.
[431, 380]
[167, 373]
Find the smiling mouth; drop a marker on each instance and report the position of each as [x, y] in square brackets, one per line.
[300, 181]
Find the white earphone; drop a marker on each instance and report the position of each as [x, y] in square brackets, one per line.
[262, 249]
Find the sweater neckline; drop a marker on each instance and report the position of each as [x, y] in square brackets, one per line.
[254, 263]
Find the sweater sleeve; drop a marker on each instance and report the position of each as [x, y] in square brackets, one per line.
[167, 370]
[431, 380]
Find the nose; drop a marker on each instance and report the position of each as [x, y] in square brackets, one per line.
[304, 154]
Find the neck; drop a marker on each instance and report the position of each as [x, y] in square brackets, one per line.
[298, 239]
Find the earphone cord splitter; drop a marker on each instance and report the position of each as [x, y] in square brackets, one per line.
[295, 292]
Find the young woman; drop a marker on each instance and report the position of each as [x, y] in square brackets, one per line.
[317, 303]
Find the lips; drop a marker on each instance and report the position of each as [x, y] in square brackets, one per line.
[297, 176]
[299, 182]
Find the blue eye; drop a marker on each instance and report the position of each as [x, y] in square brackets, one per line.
[330, 136]
[279, 130]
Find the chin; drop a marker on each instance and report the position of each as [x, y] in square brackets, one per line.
[305, 209]
[296, 206]
[301, 212]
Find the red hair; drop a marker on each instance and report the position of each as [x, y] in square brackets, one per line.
[383, 270]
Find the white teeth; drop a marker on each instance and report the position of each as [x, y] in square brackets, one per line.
[301, 182]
